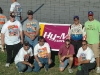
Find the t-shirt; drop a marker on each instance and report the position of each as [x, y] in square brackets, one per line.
[31, 26]
[42, 51]
[92, 31]
[23, 55]
[16, 8]
[12, 30]
[63, 51]
[86, 54]
[3, 20]
[76, 32]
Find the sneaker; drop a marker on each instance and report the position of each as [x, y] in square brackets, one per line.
[46, 70]
[20, 72]
[70, 70]
[98, 70]
[7, 64]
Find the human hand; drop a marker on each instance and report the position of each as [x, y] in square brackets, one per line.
[40, 64]
[62, 58]
[30, 65]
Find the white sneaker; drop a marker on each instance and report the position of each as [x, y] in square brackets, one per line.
[70, 70]
[98, 70]
[7, 64]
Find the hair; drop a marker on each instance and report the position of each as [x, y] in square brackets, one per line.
[85, 41]
[67, 40]
[41, 38]
[1, 11]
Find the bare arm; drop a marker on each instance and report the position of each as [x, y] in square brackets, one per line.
[21, 35]
[2, 39]
[27, 63]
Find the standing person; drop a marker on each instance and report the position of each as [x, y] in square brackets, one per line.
[42, 55]
[11, 36]
[17, 9]
[92, 27]
[3, 20]
[86, 59]
[31, 29]
[76, 34]
[65, 55]
[21, 59]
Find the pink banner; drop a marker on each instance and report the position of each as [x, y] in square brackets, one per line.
[55, 35]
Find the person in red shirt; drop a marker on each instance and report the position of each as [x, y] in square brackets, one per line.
[65, 55]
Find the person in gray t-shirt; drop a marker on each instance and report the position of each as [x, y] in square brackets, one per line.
[31, 29]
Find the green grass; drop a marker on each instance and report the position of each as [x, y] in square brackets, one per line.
[13, 71]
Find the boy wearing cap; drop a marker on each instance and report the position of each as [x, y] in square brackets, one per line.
[16, 8]
[76, 34]
[92, 27]
[21, 59]
[11, 36]
[42, 55]
[31, 29]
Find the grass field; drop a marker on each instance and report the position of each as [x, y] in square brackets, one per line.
[52, 71]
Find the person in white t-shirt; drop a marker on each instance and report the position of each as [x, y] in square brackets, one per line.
[17, 9]
[12, 38]
[86, 59]
[21, 59]
[42, 55]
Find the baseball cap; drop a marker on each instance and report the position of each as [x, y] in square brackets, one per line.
[26, 43]
[76, 17]
[90, 13]
[30, 12]
[12, 14]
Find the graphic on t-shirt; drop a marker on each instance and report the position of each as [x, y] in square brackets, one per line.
[2, 19]
[83, 55]
[76, 33]
[91, 27]
[26, 57]
[31, 27]
[18, 10]
[13, 30]
[43, 52]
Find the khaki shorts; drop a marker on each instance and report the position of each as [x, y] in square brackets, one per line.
[95, 48]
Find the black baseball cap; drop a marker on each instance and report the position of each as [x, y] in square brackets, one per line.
[30, 12]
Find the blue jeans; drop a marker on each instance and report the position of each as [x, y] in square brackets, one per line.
[44, 62]
[32, 42]
[23, 67]
[17, 18]
[65, 64]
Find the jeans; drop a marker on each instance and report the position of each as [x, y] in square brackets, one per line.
[17, 18]
[23, 67]
[12, 50]
[85, 68]
[44, 61]
[32, 42]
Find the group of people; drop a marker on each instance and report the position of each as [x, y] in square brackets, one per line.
[23, 43]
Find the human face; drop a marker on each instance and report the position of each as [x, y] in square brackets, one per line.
[12, 18]
[67, 44]
[90, 17]
[76, 21]
[26, 47]
[41, 42]
[30, 17]
[84, 45]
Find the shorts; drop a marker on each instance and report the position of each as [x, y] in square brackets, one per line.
[95, 48]
[65, 64]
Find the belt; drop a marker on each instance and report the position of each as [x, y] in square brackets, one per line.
[76, 40]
